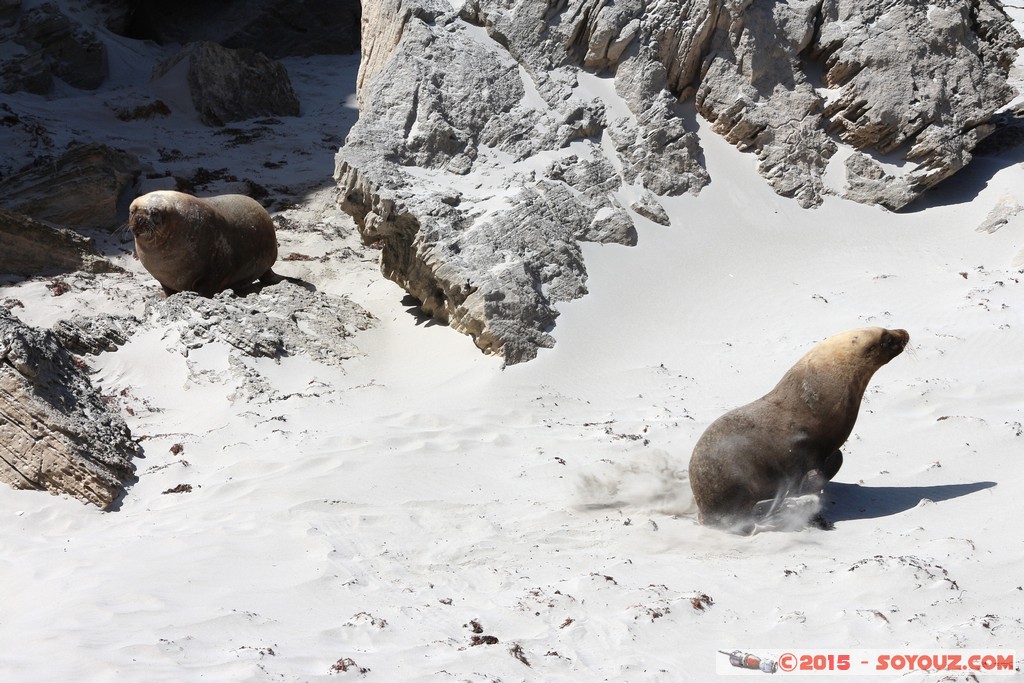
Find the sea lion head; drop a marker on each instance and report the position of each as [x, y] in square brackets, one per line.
[849, 359]
[149, 216]
[869, 346]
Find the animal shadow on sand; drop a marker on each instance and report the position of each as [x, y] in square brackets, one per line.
[844, 502]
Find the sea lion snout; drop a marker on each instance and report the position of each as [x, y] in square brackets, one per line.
[143, 222]
[894, 341]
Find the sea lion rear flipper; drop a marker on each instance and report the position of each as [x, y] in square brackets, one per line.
[271, 278]
[831, 466]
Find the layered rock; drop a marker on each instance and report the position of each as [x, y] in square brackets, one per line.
[95, 335]
[81, 188]
[33, 248]
[473, 122]
[56, 432]
[232, 85]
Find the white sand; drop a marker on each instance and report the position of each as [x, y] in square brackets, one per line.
[374, 513]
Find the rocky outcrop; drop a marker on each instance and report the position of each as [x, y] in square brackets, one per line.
[82, 188]
[917, 81]
[277, 28]
[56, 432]
[33, 248]
[488, 241]
[280, 320]
[95, 335]
[492, 139]
[52, 45]
[232, 85]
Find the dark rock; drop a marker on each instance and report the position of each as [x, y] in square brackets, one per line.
[95, 335]
[277, 28]
[33, 248]
[81, 188]
[233, 85]
[55, 46]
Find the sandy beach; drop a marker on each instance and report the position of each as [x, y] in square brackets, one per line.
[418, 512]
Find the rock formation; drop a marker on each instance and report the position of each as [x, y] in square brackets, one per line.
[279, 320]
[82, 188]
[232, 85]
[95, 335]
[56, 432]
[52, 45]
[33, 248]
[493, 138]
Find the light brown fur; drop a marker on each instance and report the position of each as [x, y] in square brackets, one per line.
[787, 442]
[203, 245]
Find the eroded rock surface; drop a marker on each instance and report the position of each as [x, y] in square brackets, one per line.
[490, 242]
[493, 138]
[56, 432]
[81, 188]
[280, 320]
[95, 335]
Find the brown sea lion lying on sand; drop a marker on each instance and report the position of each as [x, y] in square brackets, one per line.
[203, 245]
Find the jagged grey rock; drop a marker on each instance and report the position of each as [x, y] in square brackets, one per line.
[457, 105]
[82, 188]
[280, 320]
[232, 85]
[56, 432]
[34, 248]
[95, 335]
[919, 80]
[488, 241]
[649, 207]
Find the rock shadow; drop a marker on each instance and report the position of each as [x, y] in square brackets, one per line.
[413, 308]
[845, 502]
[1002, 149]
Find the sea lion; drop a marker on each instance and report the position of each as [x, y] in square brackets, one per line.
[203, 245]
[786, 443]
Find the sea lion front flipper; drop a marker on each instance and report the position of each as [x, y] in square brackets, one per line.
[788, 514]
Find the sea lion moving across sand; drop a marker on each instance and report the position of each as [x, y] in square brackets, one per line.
[203, 245]
[786, 444]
